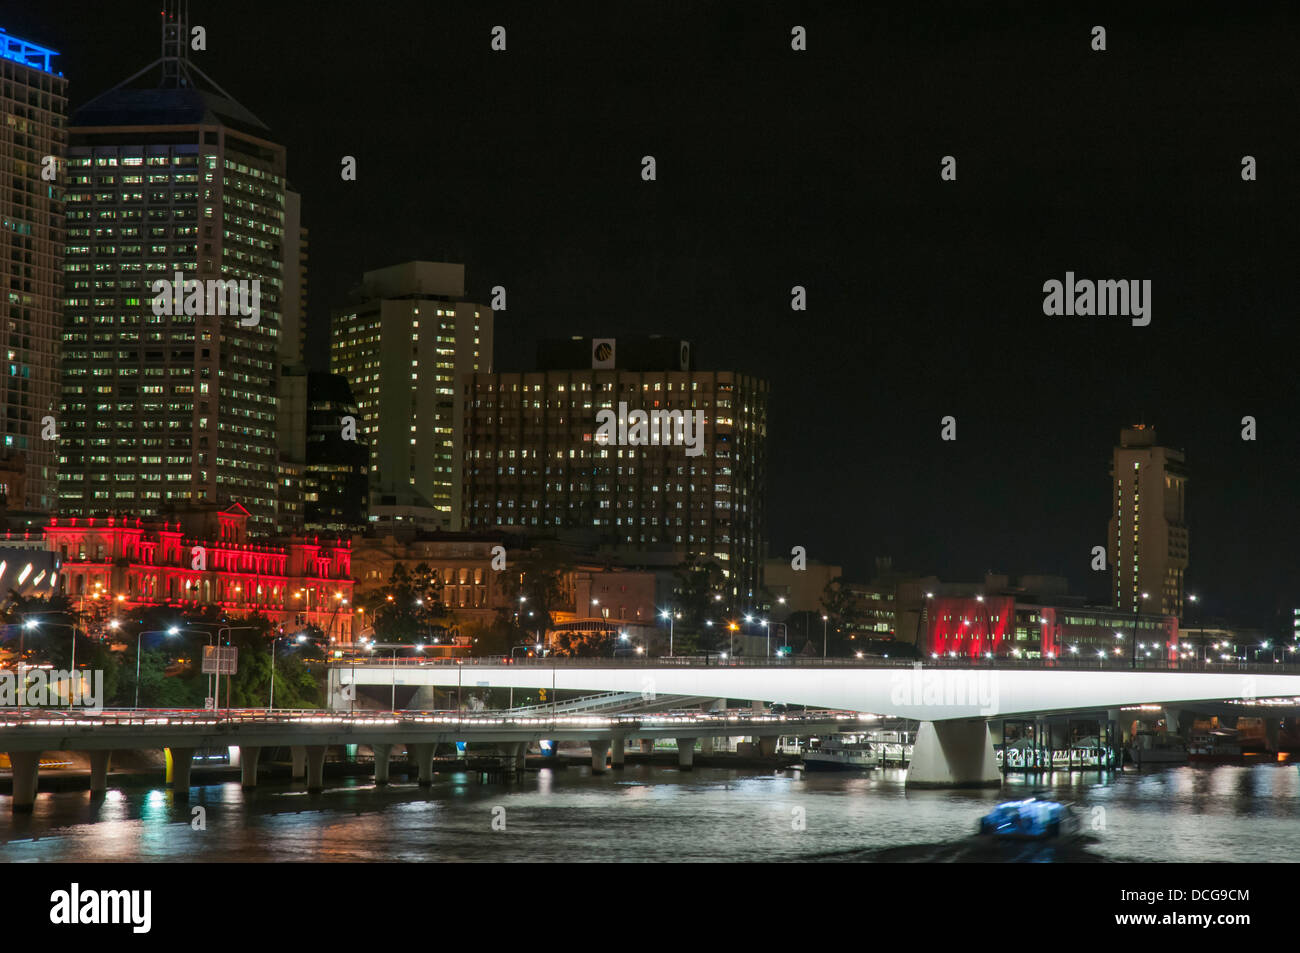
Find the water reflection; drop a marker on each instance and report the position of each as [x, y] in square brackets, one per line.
[646, 813]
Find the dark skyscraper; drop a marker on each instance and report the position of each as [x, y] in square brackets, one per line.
[336, 481]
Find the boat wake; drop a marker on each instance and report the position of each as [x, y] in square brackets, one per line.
[975, 850]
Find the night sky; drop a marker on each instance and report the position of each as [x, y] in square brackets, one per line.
[821, 168]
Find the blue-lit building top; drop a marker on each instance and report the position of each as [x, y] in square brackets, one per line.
[26, 52]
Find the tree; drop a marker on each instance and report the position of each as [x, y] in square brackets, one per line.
[841, 604]
[536, 578]
[407, 608]
[699, 580]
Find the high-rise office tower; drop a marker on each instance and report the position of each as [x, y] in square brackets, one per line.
[166, 180]
[32, 144]
[291, 410]
[1148, 529]
[402, 349]
[535, 457]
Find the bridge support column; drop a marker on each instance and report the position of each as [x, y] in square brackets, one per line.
[423, 754]
[685, 753]
[599, 751]
[1272, 729]
[382, 755]
[706, 745]
[647, 746]
[248, 755]
[298, 753]
[1172, 721]
[767, 746]
[424, 699]
[315, 767]
[1123, 723]
[955, 753]
[27, 769]
[519, 756]
[181, 760]
[99, 772]
[617, 748]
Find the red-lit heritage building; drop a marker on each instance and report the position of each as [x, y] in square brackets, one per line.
[203, 557]
[1001, 626]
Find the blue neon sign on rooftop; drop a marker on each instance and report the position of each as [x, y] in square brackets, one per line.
[26, 52]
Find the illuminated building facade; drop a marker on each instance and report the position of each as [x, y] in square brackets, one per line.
[402, 349]
[532, 461]
[170, 409]
[1004, 627]
[1147, 539]
[33, 102]
[460, 566]
[203, 557]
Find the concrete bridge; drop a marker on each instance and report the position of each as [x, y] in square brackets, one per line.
[26, 734]
[953, 699]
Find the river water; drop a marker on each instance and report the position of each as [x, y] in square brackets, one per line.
[657, 813]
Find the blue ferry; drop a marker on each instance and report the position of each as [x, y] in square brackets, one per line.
[1030, 819]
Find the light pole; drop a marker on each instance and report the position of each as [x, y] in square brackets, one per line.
[785, 634]
[731, 640]
[302, 637]
[211, 637]
[35, 624]
[669, 616]
[1137, 605]
[825, 619]
[138, 639]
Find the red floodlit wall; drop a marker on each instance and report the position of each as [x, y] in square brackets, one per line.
[970, 627]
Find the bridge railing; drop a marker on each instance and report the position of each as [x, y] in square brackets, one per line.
[38, 718]
[800, 662]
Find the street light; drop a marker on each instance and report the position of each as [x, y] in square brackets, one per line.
[301, 637]
[1136, 606]
[669, 616]
[35, 624]
[824, 620]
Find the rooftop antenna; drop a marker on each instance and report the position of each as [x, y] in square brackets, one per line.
[175, 45]
[177, 70]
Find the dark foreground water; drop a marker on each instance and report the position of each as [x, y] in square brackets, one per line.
[645, 813]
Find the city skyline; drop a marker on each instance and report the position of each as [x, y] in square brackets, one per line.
[437, 432]
[858, 468]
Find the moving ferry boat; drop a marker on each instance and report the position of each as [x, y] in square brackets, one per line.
[1031, 819]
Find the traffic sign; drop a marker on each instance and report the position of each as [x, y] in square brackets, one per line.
[220, 660]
